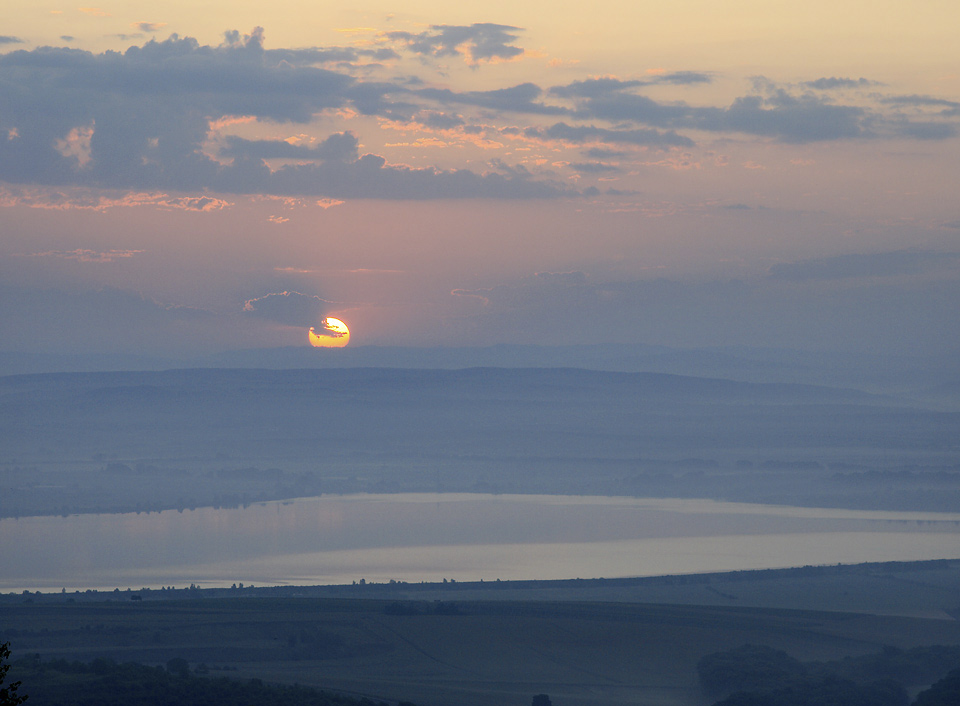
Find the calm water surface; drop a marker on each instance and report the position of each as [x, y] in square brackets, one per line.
[428, 537]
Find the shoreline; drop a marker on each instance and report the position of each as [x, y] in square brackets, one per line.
[464, 590]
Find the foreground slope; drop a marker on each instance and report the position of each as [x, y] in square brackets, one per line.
[469, 652]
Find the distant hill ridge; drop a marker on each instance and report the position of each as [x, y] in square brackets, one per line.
[170, 436]
[871, 371]
[481, 380]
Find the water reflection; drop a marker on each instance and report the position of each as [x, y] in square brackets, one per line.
[427, 537]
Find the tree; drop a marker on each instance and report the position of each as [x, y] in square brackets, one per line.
[943, 693]
[178, 666]
[8, 694]
[748, 668]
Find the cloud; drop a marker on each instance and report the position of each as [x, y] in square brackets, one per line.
[772, 111]
[517, 99]
[606, 85]
[594, 87]
[152, 119]
[925, 130]
[779, 115]
[476, 43]
[949, 108]
[832, 83]
[140, 120]
[97, 200]
[341, 56]
[290, 308]
[339, 147]
[438, 120]
[578, 134]
[7, 39]
[370, 176]
[684, 78]
[149, 26]
[594, 167]
[888, 264]
[786, 117]
[188, 203]
[76, 145]
[602, 153]
[82, 255]
[919, 100]
[147, 109]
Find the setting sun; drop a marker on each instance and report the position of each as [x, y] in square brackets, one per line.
[333, 334]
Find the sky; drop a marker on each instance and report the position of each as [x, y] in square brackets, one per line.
[183, 178]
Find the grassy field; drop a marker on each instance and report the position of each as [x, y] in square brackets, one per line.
[913, 589]
[461, 650]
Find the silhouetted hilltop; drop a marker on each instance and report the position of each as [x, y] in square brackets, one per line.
[873, 372]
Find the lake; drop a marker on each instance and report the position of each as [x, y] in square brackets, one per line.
[466, 537]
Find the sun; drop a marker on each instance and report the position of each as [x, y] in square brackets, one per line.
[333, 334]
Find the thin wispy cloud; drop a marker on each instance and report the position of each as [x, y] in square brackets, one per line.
[85, 255]
[149, 27]
[85, 199]
[833, 83]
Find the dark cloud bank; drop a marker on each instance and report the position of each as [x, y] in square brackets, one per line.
[291, 308]
[140, 119]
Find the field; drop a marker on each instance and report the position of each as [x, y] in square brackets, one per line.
[499, 650]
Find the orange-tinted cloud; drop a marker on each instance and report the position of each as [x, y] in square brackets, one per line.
[90, 200]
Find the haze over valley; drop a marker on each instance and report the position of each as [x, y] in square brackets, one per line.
[108, 442]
